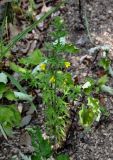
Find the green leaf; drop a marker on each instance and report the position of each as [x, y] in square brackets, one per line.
[3, 132]
[86, 117]
[34, 58]
[70, 48]
[17, 68]
[42, 147]
[45, 147]
[9, 117]
[62, 157]
[87, 87]
[36, 157]
[3, 78]
[2, 50]
[104, 62]
[23, 96]
[91, 113]
[103, 80]
[93, 102]
[10, 95]
[16, 83]
[3, 88]
[77, 89]
[19, 87]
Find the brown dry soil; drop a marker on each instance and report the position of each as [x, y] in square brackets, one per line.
[98, 143]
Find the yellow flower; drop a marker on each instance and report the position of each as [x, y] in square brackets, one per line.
[43, 66]
[67, 64]
[52, 79]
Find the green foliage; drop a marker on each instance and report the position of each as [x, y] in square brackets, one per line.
[9, 117]
[5, 91]
[104, 62]
[62, 157]
[50, 74]
[46, 74]
[10, 95]
[92, 110]
[103, 80]
[88, 86]
[33, 59]
[17, 68]
[42, 147]
[52, 80]
[88, 114]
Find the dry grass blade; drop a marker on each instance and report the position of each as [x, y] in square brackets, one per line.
[27, 30]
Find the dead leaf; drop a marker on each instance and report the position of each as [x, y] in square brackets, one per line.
[86, 59]
[25, 120]
[20, 107]
[45, 9]
[40, 25]
[25, 139]
[30, 111]
[13, 30]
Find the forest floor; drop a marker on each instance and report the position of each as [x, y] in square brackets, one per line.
[80, 145]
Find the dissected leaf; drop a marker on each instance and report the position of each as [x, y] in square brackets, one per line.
[42, 147]
[62, 41]
[38, 67]
[70, 48]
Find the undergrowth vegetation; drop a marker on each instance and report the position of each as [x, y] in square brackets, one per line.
[49, 72]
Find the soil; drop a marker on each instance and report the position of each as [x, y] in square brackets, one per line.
[97, 144]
